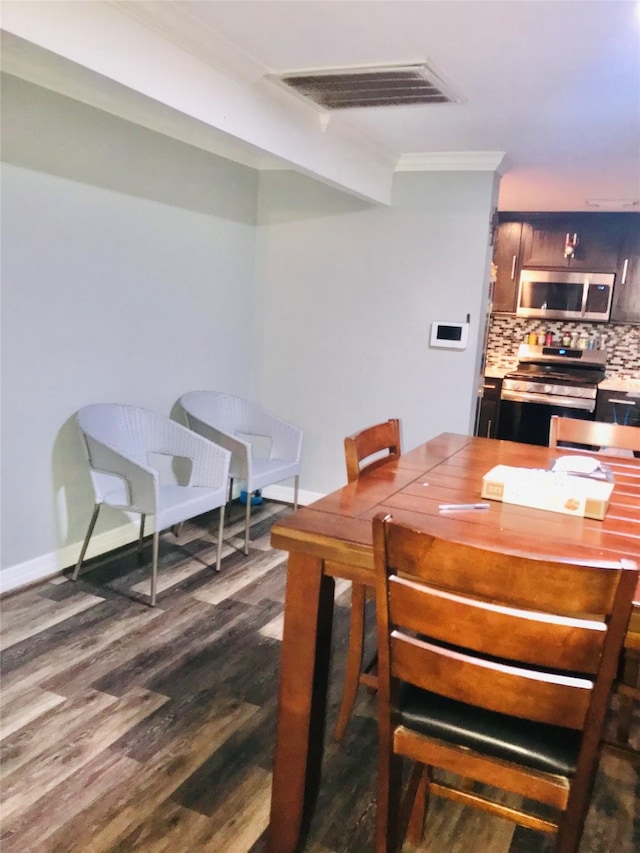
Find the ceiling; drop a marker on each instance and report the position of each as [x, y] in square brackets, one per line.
[551, 90]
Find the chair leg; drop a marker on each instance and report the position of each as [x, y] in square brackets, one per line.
[624, 717]
[85, 544]
[154, 567]
[220, 532]
[230, 489]
[570, 833]
[419, 792]
[389, 794]
[295, 492]
[141, 536]
[247, 522]
[354, 658]
[630, 677]
[571, 823]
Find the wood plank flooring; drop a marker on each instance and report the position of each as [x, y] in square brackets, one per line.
[129, 728]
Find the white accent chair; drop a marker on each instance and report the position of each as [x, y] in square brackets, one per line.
[118, 440]
[232, 422]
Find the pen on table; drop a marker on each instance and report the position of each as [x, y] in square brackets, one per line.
[453, 507]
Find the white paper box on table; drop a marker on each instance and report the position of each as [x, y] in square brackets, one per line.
[556, 492]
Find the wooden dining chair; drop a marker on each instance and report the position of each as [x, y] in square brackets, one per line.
[622, 437]
[497, 668]
[364, 451]
[593, 433]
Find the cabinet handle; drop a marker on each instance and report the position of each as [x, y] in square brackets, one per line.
[611, 400]
[624, 271]
[513, 269]
[489, 428]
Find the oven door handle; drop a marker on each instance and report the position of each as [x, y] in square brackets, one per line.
[549, 400]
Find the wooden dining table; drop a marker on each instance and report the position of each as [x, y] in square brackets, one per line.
[332, 538]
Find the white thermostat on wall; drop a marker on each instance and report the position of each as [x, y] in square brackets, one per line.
[449, 335]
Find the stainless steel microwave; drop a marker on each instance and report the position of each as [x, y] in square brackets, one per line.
[565, 295]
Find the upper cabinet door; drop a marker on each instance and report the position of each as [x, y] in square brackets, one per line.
[596, 239]
[626, 290]
[506, 257]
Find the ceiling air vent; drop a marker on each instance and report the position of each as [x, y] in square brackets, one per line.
[386, 86]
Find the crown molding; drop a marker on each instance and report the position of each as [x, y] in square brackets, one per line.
[452, 161]
[174, 23]
[82, 56]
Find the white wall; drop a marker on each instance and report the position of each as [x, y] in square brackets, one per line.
[133, 270]
[127, 275]
[349, 292]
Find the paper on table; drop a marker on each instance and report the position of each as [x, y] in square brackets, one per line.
[583, 466]
[579, 464]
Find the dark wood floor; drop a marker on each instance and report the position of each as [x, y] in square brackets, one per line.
[131, 728]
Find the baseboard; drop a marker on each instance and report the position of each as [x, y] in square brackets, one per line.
[52, 564]
[285, 494]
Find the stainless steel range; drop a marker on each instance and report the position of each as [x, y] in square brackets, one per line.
[549, 380]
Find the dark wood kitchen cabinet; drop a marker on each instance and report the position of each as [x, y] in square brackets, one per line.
[506, 257]
[489, 408]
[626, 291]
[607, 242]
[598, 247]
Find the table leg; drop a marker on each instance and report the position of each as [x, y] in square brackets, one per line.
[304, 673]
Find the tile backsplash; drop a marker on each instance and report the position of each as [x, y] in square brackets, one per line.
[506, 333]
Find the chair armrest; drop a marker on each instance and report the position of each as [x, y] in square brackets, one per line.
[286, 440]
[210, 461]
[142, 481]
[240, 450]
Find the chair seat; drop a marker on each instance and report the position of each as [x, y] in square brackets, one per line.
[542, 747]
[267, 471]
[175, 503]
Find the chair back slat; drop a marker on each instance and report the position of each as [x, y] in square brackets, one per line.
[381, 441]
[532, 694]
[510, 578]
[527, 636]
[593, 433]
